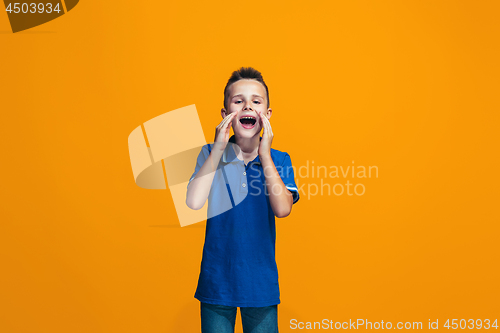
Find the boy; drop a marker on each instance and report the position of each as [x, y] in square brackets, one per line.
[238, 268]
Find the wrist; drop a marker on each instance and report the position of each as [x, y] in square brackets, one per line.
[217, 154]
[219, 146]
[265, 157]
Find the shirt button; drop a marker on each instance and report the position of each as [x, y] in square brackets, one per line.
[244, 173]
[244, 185]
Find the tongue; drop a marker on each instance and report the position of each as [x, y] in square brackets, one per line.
[247, 123]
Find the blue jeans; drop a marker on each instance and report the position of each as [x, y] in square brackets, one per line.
[221, 319]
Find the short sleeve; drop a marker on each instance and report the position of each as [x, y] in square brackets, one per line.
[287, 176]
[202, 157]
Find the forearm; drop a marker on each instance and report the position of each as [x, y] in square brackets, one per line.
[199, 188]
[280, 198]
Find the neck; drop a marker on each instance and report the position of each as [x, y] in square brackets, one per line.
[247, 146]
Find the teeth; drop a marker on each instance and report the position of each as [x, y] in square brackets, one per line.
[247, 118]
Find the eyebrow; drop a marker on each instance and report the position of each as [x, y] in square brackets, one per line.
[240, 95]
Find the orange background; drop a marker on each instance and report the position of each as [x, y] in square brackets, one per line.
[411, 87]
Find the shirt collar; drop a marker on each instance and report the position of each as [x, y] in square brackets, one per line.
[229, 155]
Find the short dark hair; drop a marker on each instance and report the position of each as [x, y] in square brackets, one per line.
[244, 73]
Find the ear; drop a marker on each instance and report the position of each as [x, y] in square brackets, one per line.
[269, 113]
[223, 113]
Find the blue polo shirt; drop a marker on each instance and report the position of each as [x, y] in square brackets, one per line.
[238, 267]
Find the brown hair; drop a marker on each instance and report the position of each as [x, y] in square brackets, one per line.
[244, 73]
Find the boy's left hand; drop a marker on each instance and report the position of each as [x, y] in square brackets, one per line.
[267, 136]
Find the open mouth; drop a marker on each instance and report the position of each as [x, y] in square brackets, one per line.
[248, 122]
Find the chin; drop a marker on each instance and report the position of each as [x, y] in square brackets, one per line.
[247, 133]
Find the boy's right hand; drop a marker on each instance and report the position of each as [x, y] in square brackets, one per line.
[222, 131]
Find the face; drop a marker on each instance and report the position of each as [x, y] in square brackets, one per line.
[247, 97]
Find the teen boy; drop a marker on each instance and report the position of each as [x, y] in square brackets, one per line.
[238, 268]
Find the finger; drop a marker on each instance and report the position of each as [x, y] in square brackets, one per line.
[269, 131]
[225, 120]
[265, 118]
[266, 124]
[268, 128]
[269, 125]
[223, 128]
[231, 116]
[221, 123]
[261, 119]
[227, 132]
[261, 116]
[228, 120]
[234, 112]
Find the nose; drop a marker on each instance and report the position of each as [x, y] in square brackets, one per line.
[248, 106]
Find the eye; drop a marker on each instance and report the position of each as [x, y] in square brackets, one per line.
[256, 102]
[237, 102]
